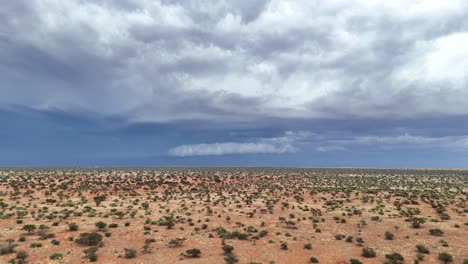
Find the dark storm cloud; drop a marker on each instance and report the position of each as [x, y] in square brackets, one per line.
[342, 69]
[333, 58]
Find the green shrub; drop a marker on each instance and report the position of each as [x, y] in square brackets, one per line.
[314, 260]
[22, 255]
[230, 259]
[395, 258]
[355, 261]
[194, 252]
[389, 235]
[227, 249]
[101, 225]
[35, 245]
[93, 258]
[130, 253]
[422, 249]
[368, 252]
[445, 257]
[56, 256]
[436, 232]
[89, 239]
[73, 227]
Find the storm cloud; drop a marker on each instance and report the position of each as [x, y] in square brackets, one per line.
[166, 61]
[263, 65]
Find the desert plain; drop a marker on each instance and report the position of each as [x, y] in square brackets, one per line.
[233, 215]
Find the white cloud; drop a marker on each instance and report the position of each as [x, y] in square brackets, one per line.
[286, 143]
[405, 140]
[329, 148]
[442, 59]
[401, 139]
[230, 148]
[294, 141]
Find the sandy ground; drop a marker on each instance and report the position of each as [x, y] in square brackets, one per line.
[241, 197]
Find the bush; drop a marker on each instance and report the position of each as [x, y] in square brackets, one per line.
[227, 249]
[445, 257]
[93, 258]
[416, 221]
[355, 261]
[239, 235]
[422, 249]
[339, 237]
[56, 256]
[7, 249]
[444, 243]
[91, 253]
[130, 253]
[230, 259]
[22, 255]
[35, 245]
[29, 228]
[314, 260]
[436, 232]
[73, 227]
[308, 246]
[194, 252]
[101, 225]
[368, 252]
[176, 242]
[89, 239]
[389, 235]
[152, 240]
[395, 258]
[284, 246]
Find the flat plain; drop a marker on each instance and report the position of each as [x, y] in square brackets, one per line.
[233, 215]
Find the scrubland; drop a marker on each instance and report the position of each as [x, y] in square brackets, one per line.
[233, 215]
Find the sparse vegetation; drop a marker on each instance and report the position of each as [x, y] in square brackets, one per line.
[130, 253]
[445, 257]
[89, 239]
[43, 211]
[368, 252]
[193, 253]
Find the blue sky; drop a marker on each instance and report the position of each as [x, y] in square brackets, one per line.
[234, 83]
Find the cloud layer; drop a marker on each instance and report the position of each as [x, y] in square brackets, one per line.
[395, 141]
[229, 148]
[298, 141]
[159, 79]
[285, 143]
[236, 61]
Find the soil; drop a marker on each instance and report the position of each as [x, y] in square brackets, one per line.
[294, 206]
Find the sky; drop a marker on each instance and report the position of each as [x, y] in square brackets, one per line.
[308, 83]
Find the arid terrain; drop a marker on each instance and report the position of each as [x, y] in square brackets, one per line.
[233, 215]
